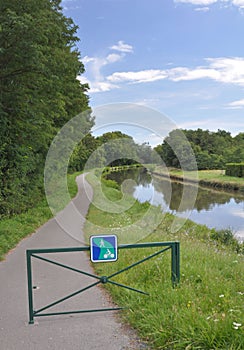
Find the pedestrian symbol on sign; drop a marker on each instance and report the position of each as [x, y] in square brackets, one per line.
[103, 248]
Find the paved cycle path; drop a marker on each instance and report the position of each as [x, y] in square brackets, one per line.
[88, 331]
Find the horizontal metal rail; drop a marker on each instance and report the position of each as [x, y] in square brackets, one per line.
[35, 253]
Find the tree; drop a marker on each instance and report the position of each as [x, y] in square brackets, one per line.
[176, 151]
[39, 93]
[85, 149]
[145, 153]
[212, 150]
[119, 148]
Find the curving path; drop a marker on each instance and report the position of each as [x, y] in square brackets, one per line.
[91, 331]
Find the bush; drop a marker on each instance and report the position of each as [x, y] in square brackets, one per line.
[226, 237]
[235, 169]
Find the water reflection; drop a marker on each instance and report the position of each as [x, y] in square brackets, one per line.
[216, 209]
[206, 198]
[139, 175]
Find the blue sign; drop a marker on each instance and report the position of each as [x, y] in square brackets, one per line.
[103, 248]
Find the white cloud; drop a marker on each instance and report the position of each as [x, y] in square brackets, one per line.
[112, 58]
[83, 80]
[223, 70]
[122, 47]
[230, 70]
[96, 85]
[236, 104]
[198, 2]
[183, 73]
[202, 9]
[88, 59]
[237, 3]
[93, 65]
[98, 62]
[101, 87]
[138, 77]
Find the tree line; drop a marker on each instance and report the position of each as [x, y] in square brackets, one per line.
[39, 93]
[212, 150]
[110, 149]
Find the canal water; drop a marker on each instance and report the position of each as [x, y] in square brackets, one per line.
[215, 209]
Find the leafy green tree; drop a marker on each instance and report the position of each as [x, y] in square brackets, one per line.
[119, 148]
[238, 149]
[39, 93]
[87, 147]
[212, 150]
[176, 151]
[146, 153]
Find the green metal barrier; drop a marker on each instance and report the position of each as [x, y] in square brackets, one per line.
[35, 253]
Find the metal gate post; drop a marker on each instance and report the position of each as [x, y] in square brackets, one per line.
[175, 263]
[30, 288]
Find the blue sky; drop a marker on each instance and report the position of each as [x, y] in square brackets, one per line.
[183, 58]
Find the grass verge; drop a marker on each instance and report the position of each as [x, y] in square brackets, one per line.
[205, 311]
[210, 178]
[14, 229]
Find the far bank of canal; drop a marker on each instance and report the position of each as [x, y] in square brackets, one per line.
[204, 205]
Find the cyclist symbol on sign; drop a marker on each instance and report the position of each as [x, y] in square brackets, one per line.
[108, 254]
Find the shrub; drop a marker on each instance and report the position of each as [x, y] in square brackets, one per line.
[235, 169]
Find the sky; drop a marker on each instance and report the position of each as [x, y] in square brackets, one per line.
[181, 59]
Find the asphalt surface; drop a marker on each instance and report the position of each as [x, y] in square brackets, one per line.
[86, 331]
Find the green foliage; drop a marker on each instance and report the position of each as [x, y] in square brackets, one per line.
[40, 92]
[110, 183]
[118, 148]
[13, 229]
[86, 147]
[235, 169]
[176, 151]
[226, 237]
[212, 150]
[112, 149]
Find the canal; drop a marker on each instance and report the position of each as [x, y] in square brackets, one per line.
[215, 209]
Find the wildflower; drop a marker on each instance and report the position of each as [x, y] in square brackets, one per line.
[236, 325]
[221, 296]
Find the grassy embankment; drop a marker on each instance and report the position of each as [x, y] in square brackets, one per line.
[13, 229]
[210, 178]
[205, 311]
